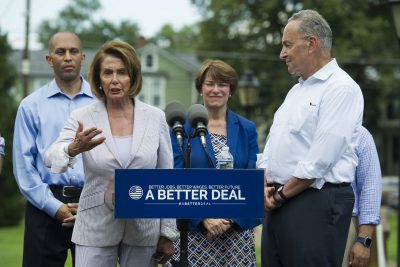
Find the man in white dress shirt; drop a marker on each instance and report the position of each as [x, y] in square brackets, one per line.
[310, 156]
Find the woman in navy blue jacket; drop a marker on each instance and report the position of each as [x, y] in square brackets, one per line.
[220, 242]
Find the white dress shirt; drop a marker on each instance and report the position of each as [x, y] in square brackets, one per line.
[316, 129]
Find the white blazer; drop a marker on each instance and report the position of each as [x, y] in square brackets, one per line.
[151, 148]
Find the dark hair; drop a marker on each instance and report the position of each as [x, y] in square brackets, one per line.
[219, 71]
[128, 55]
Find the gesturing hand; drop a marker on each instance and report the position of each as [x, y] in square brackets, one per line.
[84, 140]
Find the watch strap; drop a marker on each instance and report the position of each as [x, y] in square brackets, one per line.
[281, 194]
[366, 241]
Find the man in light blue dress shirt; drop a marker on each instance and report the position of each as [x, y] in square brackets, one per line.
[2, 144]
[51, 198]
[367, 187]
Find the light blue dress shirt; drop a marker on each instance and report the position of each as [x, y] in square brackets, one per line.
[40, 118]
[367, 185]
[2, 144]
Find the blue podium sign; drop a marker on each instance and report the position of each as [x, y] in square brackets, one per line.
[189, 193]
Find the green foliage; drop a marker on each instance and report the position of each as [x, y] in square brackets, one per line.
[364, 44]
[247, 34]
[184, 39]
[78, 17]
[11, 204]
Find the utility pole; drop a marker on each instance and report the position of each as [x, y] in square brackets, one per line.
[25, 60]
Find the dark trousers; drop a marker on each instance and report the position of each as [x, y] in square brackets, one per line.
[308, 230]
[46, 242]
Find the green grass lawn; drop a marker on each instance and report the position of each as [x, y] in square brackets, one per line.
[392, 242]
[11, 240]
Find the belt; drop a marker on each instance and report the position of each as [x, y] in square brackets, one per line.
[327, 184]
[66, 191]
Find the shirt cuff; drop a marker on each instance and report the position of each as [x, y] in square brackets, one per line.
[261, 161]
[368, 219]
[52, 206]
[61, 160]
[307, 171]
[168, 231]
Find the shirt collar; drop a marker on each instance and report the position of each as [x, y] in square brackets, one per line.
[53, 89]
[323, 73]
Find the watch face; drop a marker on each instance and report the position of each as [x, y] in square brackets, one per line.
[366, 241]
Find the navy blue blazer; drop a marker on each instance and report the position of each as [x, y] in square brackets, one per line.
[242, 142]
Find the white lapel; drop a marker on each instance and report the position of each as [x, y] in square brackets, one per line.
[100, 118]
[140, 123]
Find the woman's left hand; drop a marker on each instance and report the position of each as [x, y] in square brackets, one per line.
[165, 250]
[216, 227]
[84, 140]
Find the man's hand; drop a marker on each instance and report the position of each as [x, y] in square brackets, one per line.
[1, 163]
[359, 255]
[164, 251]
[269, 201]
[66, 214]
[84, 140]
[216, 227]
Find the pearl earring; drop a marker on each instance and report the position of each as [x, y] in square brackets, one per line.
[100, 88]
[201, 94]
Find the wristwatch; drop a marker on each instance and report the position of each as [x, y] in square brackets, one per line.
[366, 241]
[281, 194]
[279, 200]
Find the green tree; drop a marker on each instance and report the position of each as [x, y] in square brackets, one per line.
[11, 203]
[78, 17]
[247, 34]
[182, 40]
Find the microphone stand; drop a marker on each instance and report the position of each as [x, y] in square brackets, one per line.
[184, 223]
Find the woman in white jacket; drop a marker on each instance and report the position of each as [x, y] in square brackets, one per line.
[118, 131]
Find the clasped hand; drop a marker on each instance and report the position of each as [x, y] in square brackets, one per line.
[84, 140]
[216, 227]
[66, 214]
[269, 201]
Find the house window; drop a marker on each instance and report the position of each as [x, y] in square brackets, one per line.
[393, 110]
[149, 61]
[156, 100]
[396, 149]
[153, 91]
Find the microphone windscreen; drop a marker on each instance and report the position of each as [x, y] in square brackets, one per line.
[175, 111]
[197, 113]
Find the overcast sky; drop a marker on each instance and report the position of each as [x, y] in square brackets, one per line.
[149, 14]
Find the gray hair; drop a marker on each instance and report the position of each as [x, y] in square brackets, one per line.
[313, 24]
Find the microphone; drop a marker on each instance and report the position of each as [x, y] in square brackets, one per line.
[198, 119]
[176, 115]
